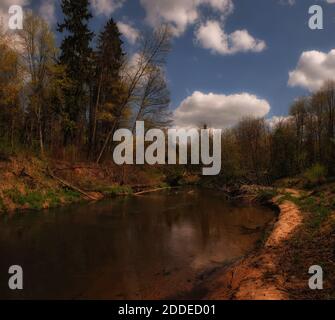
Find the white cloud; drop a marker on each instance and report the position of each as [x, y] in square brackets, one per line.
[131, 66]
[212, 36]
[47, 11]
[130, 33]
[313, 69]
[106, 7]
[276, 120]
[181, 13]
[218, 110]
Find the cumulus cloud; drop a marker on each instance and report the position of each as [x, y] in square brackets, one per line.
[218, 110]
[106, 7]
[181, 14]
[129, 32]
[47, 11]
[210, 35]
[313, 69]
[213, 37]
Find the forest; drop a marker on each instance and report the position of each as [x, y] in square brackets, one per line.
[250, 232]
[66, 102]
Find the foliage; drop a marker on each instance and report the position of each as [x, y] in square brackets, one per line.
[76, 56]
[115, 190]
[2, 205]
[318, 206]
[316, 174]
[267, 195]
[36, 199]
[67, 102]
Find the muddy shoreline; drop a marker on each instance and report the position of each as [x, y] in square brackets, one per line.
[255, 276]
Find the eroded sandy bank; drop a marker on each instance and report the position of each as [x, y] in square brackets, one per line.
[259, 275]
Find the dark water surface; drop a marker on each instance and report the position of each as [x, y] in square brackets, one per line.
[149, 247]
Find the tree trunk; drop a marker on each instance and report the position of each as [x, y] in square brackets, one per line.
[94, 119]
[41, 138]
[106, 143]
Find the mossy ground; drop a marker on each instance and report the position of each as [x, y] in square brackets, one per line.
[26, 184]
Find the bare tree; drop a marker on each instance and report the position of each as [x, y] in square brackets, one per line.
[38, 55]
[154, 99]
[154, 50]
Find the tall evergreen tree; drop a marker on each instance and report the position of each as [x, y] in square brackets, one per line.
[76, 56]
[107, 87]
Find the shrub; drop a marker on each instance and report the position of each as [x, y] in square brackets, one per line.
[115, 190]
[71, 196]
[2, 206]
[35, 200]
[267, 195]
[316, 174]
[16, 196]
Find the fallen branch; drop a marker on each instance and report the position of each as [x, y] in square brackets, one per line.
[68, 185]
[77, 167]
[154, 190]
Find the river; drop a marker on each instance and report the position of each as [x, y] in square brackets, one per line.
[154, 246]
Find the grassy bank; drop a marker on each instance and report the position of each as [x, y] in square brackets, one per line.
[28, 184]
[312, 242]
[303, 236]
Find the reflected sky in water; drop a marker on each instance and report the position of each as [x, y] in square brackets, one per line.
[148, 247]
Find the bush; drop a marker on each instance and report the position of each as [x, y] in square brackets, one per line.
[16, 196]
[70, 195]
[267, 195]
[316, 174]
[2, 206]
[116, 190]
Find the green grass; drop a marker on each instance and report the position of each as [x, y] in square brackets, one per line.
[317, 206]
[316, 175]
[70, 195]
[16, 196]
[54, 198]
[115, 190]
[35, 200]
[267, 195]
[164, 185]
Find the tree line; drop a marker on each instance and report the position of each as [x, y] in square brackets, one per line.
[67, 102]
[303, 143]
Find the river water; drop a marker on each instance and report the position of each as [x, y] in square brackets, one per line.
[155, 246]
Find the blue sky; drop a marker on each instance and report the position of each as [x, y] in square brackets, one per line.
[193, 66]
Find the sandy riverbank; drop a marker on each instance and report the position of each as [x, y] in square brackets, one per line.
[257, 276]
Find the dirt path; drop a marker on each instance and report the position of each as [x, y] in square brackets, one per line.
[259, 276]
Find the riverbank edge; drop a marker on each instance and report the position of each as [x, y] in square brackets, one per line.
[33, 185]
[255, 276]
[95, 196]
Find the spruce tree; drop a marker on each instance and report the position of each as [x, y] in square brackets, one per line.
[76, 56]
[107, 86]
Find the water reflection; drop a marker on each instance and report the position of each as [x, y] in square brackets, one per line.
[147, 247]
